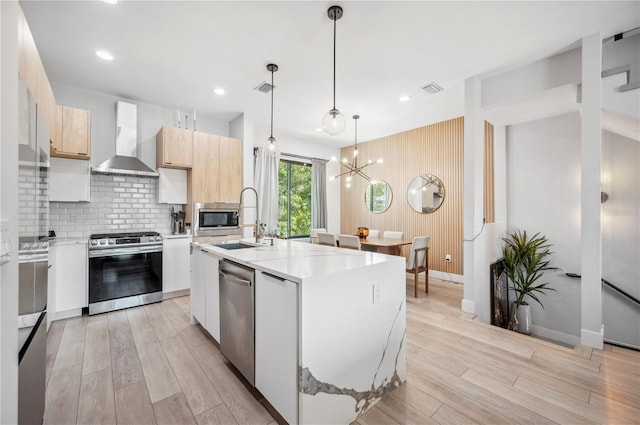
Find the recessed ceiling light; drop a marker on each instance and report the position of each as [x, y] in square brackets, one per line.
[110, 1]
[219, 91]
[103, 54]
[404, 98]
[318, 129]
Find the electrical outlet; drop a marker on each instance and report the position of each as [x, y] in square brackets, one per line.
[376, 293]
[447, 258]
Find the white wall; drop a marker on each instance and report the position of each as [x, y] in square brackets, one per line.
[9, 211]
[150, 119]
[623, 52]
[621, 237]
[545, 74]
[543, 195]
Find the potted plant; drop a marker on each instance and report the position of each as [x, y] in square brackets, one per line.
[525, 259]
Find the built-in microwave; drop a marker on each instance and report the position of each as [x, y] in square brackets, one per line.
[216, 219]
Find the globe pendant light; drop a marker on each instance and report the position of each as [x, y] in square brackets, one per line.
[334, 122]
[272, 144]
[352, 167]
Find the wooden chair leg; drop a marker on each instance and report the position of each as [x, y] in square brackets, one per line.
[426, 272]
[415, 276]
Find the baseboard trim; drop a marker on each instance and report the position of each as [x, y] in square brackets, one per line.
[175, 294]
[468, 306]
[592, 339]
[457, 278]
[67, 314]
[554, 335]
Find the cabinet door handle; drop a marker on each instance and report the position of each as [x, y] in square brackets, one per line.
[81, 153]
[169, 163]
[282, 279]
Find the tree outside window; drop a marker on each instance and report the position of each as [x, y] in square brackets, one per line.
[294, 199]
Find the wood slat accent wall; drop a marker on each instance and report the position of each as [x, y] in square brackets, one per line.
[489, 200]
[435, 149]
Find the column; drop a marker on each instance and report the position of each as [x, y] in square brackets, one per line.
[591, 159]
[473, 198]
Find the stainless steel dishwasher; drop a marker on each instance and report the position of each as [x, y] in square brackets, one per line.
[236, 316]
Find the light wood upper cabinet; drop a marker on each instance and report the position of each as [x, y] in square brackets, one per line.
[31, 71]
[205, 174]
[216, 175]
[174, 147]
[71, 136]
[230, 169]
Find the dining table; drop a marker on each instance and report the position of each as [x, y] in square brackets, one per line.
[384, 245]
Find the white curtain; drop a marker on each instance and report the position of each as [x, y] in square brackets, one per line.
[266, 184]
[318, 194]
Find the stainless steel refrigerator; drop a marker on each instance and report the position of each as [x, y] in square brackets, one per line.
[33, 209]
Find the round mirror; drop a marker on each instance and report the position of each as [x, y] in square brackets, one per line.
[378, 196]
[425, 194]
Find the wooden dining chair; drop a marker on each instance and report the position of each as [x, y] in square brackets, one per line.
[349, 241]
[419, 261]
[392, 235]
[374, 233]
[314, 233]
[328, 239]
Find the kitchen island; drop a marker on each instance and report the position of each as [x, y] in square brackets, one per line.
[330, 324]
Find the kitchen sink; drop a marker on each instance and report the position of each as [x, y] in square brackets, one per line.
[235, 245]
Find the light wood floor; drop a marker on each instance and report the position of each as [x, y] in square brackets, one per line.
[149, 365]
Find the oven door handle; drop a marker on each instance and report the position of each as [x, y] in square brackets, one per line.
[124, 251]
[36, 258]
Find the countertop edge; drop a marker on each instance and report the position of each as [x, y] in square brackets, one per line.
[257, 264]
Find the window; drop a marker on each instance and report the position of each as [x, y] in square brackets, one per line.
[294, 198]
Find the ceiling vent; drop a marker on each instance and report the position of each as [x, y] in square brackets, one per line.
[432, 88]
[264, 87]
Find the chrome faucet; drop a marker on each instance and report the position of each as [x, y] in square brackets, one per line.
[257, 225]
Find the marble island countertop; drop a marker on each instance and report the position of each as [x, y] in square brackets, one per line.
[295, 260]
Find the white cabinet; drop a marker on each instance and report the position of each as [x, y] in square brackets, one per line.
[212, 293]
[71, 277]
[205, 291]
[175, 264]
[69, 180]
[197, 286]
[276, 336]
[172, 186]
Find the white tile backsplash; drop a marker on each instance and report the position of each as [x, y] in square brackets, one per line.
[118, 203]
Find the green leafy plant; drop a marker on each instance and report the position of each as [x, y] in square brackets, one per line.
[525, 259]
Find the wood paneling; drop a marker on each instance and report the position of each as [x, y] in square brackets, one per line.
[489, 200]
[435, 149]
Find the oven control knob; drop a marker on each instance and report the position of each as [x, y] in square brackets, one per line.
[158, 238]
[34, 246]
[94, 242]
[111, 242]
[103, 242]
[25, 246]
[44, 245]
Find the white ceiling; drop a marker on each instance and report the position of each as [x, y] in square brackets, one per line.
[172, 53]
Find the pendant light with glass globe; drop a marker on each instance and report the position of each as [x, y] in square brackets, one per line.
[334, 122]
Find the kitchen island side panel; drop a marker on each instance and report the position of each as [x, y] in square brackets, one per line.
[352, 341]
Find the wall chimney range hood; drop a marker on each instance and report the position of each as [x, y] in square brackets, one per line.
[125, 162]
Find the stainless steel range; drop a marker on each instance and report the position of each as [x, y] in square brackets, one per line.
[125, 270]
